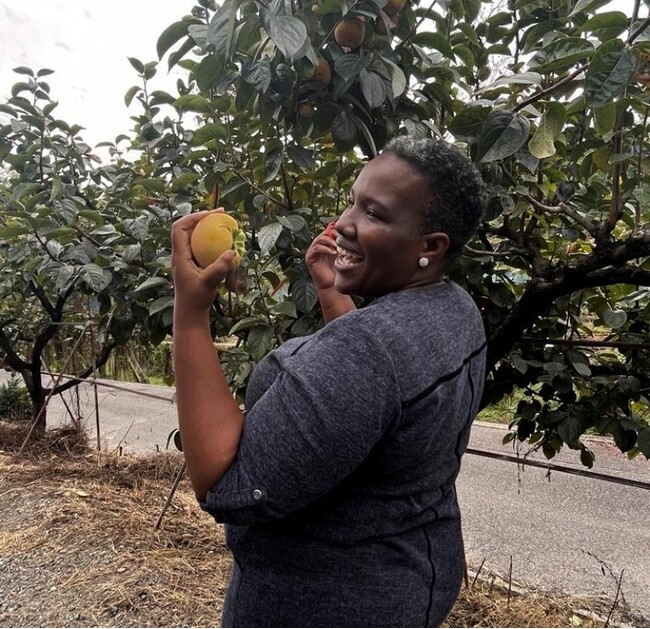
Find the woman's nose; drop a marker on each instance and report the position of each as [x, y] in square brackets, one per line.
[345, 224]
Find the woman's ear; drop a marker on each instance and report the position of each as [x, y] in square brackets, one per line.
[436, 245]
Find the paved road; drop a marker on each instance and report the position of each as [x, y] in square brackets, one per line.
[564, 532]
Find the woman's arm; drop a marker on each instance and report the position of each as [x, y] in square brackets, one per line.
[320, 264]
[209, 419]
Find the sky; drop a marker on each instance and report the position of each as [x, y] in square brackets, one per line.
[87, 43]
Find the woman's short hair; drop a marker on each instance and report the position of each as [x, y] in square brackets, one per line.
[457, 190]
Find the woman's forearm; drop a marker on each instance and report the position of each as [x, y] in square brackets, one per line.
[209, 419]
[334, 304]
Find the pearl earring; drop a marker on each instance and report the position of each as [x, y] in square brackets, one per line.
[423, 261]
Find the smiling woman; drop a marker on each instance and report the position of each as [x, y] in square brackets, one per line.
[87, 45]
[337, 486]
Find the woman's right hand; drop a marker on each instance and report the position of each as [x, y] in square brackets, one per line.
[195, 288]
[320, 259]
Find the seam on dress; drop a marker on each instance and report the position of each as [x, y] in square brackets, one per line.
[433, 577]
[450, 376]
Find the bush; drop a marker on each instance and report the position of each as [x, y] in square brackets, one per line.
[15, 403]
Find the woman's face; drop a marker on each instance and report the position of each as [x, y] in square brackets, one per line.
[380, 235]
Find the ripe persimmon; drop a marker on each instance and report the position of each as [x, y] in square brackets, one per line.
[350, 32]
[322, 72]
[213, 235]
[394, 6]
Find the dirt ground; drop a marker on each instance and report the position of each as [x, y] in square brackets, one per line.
[79, 547]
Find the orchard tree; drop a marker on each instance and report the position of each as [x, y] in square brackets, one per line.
[549, 98]
[78, 246]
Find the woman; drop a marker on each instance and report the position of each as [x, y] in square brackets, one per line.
[338, 487]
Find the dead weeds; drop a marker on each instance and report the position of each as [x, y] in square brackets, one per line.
[79, 547]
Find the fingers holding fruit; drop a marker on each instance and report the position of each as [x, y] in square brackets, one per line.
[207, 248]
[213, 235]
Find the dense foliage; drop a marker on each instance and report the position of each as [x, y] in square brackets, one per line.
[280, 103]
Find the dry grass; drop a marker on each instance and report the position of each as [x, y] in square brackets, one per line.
[78, 547]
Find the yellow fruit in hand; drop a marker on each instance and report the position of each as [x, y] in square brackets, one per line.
[215, 234]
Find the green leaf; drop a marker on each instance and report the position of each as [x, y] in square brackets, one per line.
[208, 72]
[587, 457]
[96, 277]
[288, 33]
[130, 94]
[608, 25]
[582, 369]
[610, 72]
[398, 77]
[245, 324]
[259, 74]
[524, 78]
[155, 185]
[221, 28]
[24, 70]
[156, 282]
[170, 36]
[177, 55]
[160, 304]
[502, 135]
[519, 363]
[303, 293]
[209, 132]
[301, 157]
[344, 132]
[587, 5]
[436, 41]
[183, 180]
[350, 65]
[605, 118]
[542, 144]
[468, 124]
[13, 229]
[471, 9]
[193, 102]
[561, 54]
[293, 222]
[267, 236]
[138, 66]
[614, 318]
[373, 88]
[259, 340]
[570, 428]
[554, 367]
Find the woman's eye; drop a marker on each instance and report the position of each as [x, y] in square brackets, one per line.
[350, 201]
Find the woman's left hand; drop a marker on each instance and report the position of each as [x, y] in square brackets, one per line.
[195, 288]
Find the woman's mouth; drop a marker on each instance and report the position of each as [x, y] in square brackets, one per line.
[346, 259]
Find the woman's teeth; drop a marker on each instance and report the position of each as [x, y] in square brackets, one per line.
[346, 258]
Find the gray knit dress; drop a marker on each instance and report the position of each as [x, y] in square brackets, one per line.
[340, 507]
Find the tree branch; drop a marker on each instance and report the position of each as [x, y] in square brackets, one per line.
[541, 294]
[100, 361]
[14, 360]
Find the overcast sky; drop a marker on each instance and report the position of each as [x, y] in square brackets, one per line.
[87, 44]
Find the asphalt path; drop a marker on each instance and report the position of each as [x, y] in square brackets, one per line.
[560, 532]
